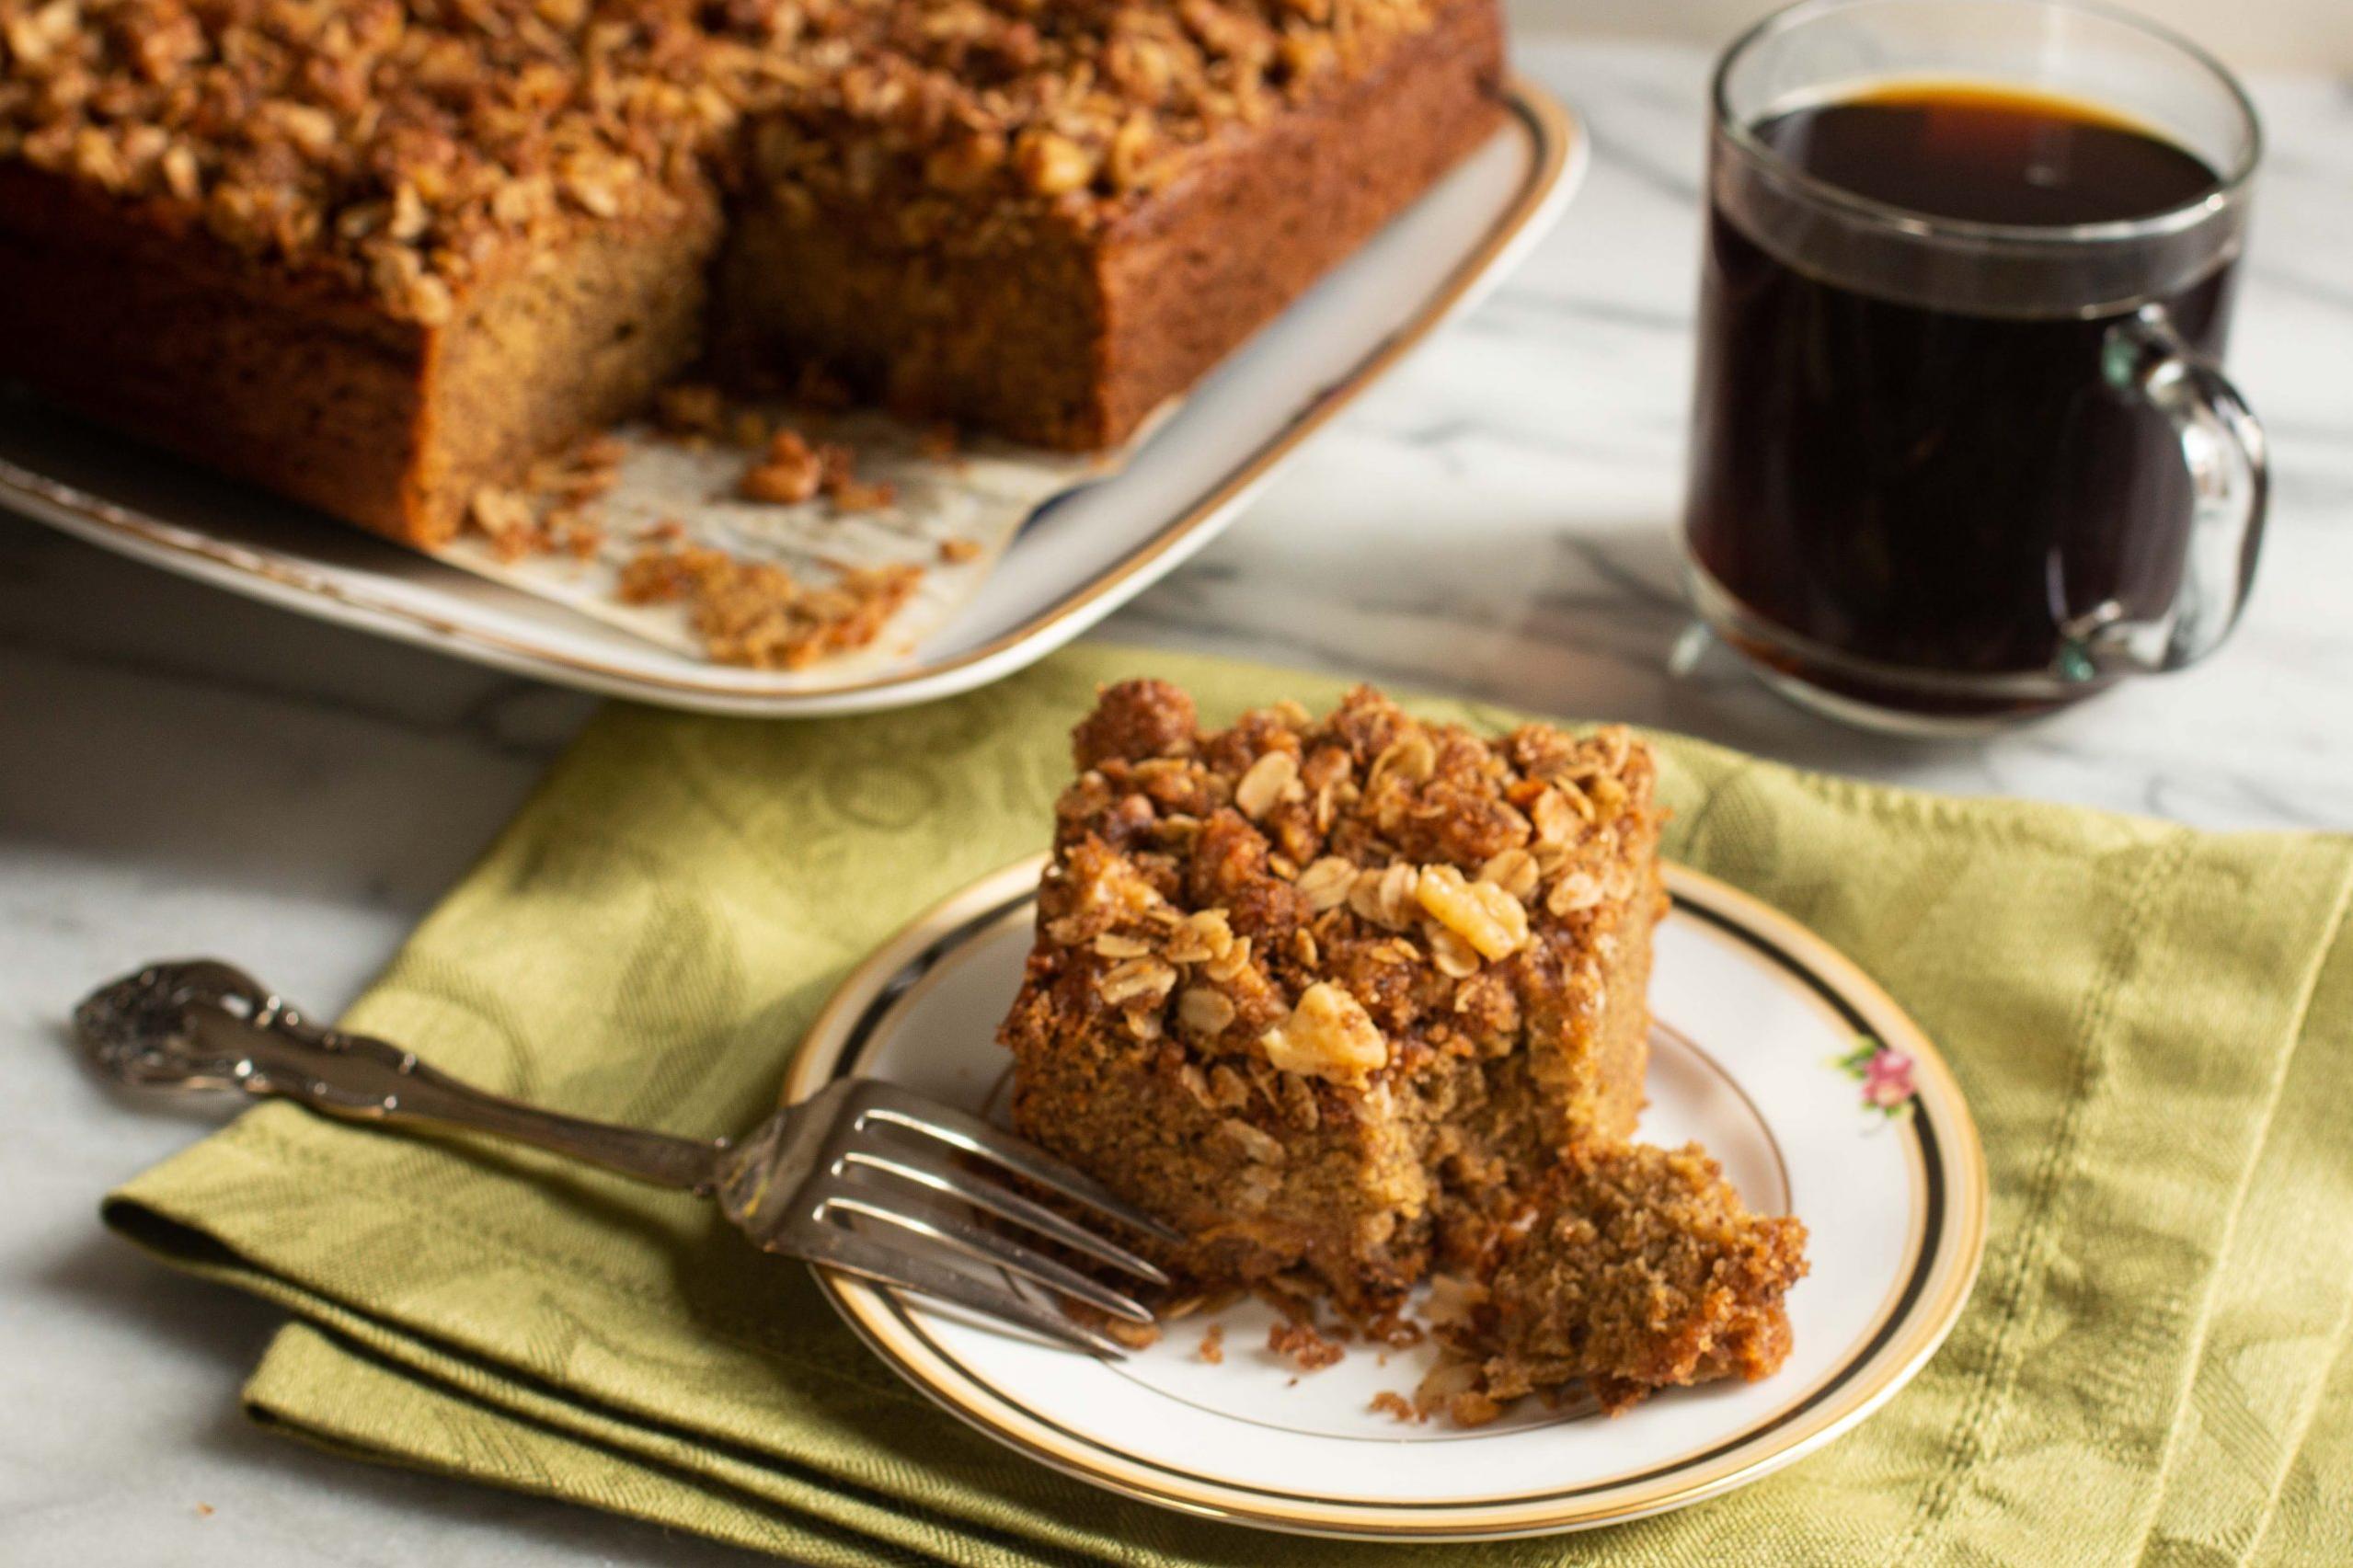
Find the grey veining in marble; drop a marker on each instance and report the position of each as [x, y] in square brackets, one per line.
[182, 771]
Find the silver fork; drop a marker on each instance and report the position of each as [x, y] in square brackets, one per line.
[861, 1177]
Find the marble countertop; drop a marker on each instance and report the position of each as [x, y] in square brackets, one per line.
[181, 770]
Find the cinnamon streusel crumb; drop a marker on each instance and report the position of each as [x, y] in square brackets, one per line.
[757, 613]
[408, 147]
[1303, 1346]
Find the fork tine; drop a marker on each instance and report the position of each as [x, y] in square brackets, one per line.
[849, 1253]
[947, 1225]
[943, 1175]
[927, 1119]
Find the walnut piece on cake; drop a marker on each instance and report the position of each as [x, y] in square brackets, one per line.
[1325, 992]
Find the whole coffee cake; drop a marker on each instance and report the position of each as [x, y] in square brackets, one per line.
[383, 255]
[1326, 993]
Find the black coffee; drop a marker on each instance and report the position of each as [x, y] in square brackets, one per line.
[1925, 489]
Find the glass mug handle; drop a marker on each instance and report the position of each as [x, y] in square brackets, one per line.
[2223, 444]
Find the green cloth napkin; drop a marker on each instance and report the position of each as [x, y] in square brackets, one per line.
[2154, 1028]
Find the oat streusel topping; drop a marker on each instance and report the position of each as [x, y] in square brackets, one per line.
[1025, 112]
[391, 146]
[408, 147]
[1335, 899]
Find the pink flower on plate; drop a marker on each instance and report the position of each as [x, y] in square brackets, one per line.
[1887, 1079]
[1885, 1073]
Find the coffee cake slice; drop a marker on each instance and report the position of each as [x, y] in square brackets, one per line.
[1326, 993]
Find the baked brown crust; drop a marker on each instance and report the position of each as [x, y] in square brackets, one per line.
[1043, 221]
[1326, 993]
[297, 383]
[1067, 323]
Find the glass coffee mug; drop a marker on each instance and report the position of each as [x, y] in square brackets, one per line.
[1961, 449]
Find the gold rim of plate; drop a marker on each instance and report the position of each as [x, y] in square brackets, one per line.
[1945, 1241]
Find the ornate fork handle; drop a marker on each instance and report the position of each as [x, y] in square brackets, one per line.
[204, 1024]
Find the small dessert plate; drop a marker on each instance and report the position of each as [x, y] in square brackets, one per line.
[1078, 557]
[1803, 1078]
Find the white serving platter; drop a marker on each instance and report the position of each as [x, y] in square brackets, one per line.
[1078, 558]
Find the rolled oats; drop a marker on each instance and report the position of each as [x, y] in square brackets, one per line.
[1201, 937]
[1575, 891]
[1263, 787]
[1384, 897]
[1260, 1146]
[1325, 884]
[1228, 1089]
[1229, 964]
[1452, 955]
[1203, 1011]
[1514, 871]
[1144, 980]
[1553, 817]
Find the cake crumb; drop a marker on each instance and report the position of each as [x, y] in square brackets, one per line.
[1135, 1336]
[790, 470]
[1307, 1349]
[748, 612]
[756, 613]
[1212, 1348]
[787, 474]
[1395, 1406]
[582, 538]
[838, 482]
[957, 550]
[1472, 1408]
[547, 514]
[505, 520]
[1448, 1380]
[204, 1510]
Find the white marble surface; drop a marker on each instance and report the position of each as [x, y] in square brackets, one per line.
[181, 770]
